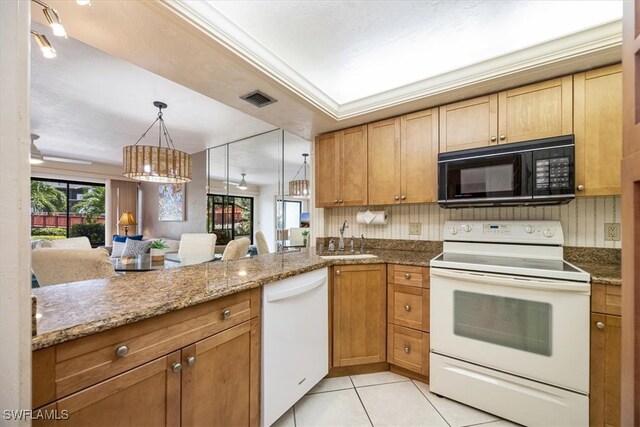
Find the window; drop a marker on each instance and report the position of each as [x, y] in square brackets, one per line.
[229, 217]
[61, 209]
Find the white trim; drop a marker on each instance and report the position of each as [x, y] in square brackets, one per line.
[604, 41]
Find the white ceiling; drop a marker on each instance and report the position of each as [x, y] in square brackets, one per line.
[86, 104]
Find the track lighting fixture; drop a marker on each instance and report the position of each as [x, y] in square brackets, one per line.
[47, 50]
[83, 2]
[52, 18]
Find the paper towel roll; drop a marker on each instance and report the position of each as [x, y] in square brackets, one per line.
[372, 217]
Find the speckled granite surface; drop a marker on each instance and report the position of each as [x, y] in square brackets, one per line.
[604, 264]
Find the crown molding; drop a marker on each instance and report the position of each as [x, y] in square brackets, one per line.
[602, 40]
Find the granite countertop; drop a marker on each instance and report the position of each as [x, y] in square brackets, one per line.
[604, 274]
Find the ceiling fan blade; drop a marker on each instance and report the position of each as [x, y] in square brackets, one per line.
[66, 160]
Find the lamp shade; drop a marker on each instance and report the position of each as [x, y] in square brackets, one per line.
[127, 219]
[156, 164]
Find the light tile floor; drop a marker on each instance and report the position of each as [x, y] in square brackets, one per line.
[381, 399]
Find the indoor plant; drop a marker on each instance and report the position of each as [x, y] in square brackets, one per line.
[305, 237]
[158, 249]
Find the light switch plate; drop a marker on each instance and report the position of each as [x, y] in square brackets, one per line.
[611, 231]
[415, 228]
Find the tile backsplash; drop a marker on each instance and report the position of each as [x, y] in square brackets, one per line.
[582, 220]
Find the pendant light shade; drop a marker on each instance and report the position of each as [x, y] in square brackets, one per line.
[300, 188]
[157, 163]
[243, 183]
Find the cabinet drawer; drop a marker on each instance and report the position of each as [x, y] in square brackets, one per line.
[408, 306]
[68, 367]
[408, 349]
[408, 275]
[606, 299]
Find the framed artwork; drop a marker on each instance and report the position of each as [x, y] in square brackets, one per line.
[171, 202]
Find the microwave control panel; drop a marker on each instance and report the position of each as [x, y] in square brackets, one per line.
[553, 173]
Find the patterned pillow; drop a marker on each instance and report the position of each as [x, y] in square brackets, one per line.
[135, 247]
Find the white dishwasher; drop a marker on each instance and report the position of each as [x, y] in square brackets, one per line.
[295, 340]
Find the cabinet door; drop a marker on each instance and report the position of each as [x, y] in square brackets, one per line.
[540, 110]
[598, 130]
[326, 169]
[359, 314]
[408, 349]
[221, 385]
[408, 306]
[469, 124]
[145, 396]
[604, 399]
[384, 162]
[353, 167]
[419, 157]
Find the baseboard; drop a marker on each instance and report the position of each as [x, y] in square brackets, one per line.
[410, 374]
[369, 368]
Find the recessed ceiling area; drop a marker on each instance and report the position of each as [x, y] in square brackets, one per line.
[86, 104]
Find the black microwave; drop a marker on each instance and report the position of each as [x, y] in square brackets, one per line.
[540, 172]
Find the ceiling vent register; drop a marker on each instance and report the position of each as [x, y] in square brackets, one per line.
[258, 99]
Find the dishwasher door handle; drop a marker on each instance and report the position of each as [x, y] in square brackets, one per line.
[288, 293]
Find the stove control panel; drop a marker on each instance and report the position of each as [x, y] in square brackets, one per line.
[533, 232]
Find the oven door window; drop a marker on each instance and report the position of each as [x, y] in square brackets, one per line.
[503, 176]
[521, 324]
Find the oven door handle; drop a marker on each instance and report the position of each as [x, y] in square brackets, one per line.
[514, 281]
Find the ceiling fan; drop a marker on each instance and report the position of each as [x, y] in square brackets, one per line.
[37, 157]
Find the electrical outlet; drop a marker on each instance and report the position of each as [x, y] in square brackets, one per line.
[415, 228]
[612, 231]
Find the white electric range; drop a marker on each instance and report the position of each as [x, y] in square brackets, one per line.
[510, 322]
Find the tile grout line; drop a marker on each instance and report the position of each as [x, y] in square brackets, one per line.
[361, 402]
[430, 403]
[374, 385]
[327, 391]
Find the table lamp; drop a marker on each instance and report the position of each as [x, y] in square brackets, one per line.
[126, 219]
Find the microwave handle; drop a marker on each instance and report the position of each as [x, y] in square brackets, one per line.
[516, 282]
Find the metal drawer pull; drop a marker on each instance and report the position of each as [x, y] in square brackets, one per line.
[191, 360]
[599, 325]
[176, 367]
[407, 276]
[226, 314]
[407, 307]
[407, 349]
[337, 272]
[122, 351]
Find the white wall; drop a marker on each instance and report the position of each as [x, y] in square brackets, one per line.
[582, 220]
[15, 253]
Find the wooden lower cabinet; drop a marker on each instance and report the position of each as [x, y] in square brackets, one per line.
[408, 348]
[605, 373]
[359, 314]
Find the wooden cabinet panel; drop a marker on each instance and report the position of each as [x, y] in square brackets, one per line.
[408, 275]
[148, 395]
[222, 386]
[606, 299]
[408, 349]
[359, 314]
[353, 166]
[469, 124]
[384, 162]
[419, 157]
[540, 110]
[604, 399]
[326, 167]
[408, 306]
[598, 130]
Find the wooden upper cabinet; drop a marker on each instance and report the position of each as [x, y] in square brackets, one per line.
[469, 124]
[384, 161]
[419, 157]
[326, 169]
[341, 168]
[598, 129]
[359, 314]
[540, 110]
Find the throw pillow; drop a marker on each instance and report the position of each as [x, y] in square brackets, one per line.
[117, 248]
[135, 247]
[123, 238]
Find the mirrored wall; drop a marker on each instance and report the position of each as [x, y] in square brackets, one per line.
[260, 183]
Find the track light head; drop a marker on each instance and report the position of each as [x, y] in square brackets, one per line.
[54, 22]
[47, 50]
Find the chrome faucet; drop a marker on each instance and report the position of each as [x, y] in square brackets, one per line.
[362, 243]
[341, 242]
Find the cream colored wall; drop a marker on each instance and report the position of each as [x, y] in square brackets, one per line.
[15, 253]
[582, 220]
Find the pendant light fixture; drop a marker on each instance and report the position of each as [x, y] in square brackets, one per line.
[299, 188]
[36, 157]
[243, 183]
[157, 163]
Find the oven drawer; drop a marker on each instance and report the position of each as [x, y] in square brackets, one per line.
[408, 306]
[408, 349]
[408, 275]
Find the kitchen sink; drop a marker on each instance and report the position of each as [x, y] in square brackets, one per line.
[350, 256]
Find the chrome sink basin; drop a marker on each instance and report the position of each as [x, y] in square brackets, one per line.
[349, 256]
